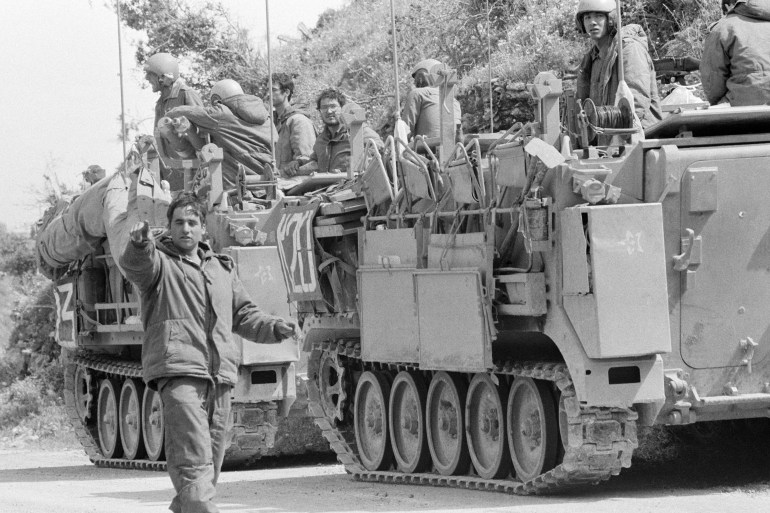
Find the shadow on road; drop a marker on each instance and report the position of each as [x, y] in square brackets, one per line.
[685, 464]
[84, 472]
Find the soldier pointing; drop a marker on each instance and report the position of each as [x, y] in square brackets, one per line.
[192, 299]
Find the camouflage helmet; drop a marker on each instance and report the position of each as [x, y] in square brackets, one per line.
[163, 65]
[426, 64]
[225, 89]
[607, 7]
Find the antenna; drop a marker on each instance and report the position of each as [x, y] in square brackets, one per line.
[270, 89]
[122, 98]
[621, 65]
[395, 57]
[489, 73]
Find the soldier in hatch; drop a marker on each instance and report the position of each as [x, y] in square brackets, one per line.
[296, 133]
[598, 72]
[162, 72]
[421, 110]
[736, 55]
[239, 124]
[331, 151]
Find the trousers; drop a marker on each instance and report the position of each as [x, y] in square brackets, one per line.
[196, 414]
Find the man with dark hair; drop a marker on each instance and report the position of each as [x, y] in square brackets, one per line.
[598, 72]
[191, 301]
[239, 124]
[422, 112]
[331, 151]
[736, 55]
[296, 133]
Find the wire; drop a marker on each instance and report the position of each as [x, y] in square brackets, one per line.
[610, 116]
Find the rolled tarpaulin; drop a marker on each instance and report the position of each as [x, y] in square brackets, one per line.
[106, 210]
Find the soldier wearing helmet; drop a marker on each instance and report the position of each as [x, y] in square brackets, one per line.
[162, 72]
[598, 72]
[239, 124]
[93, 174]
[421, 110]
[736, 55]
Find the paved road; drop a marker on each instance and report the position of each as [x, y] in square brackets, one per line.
[65, 482]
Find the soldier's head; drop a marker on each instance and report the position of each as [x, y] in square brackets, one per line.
[283, 88]
[329, 104]
[421, 73]
[94, 173]
[224, 89]
[186, 222]
[161, 70]
[597, 18]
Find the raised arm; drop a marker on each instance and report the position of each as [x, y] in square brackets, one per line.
[140, 261]
[198, 116]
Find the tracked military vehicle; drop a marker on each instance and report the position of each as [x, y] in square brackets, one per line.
[504, 314]
[116, 417]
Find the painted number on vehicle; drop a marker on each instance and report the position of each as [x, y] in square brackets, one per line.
[295, 248]
[65, 314]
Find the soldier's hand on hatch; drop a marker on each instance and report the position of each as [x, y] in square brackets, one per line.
[285, 329]
[140, 232]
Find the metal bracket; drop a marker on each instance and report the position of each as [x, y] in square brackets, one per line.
[748, 345]
[691, 252]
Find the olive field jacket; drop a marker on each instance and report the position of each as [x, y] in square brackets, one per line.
[190, 311]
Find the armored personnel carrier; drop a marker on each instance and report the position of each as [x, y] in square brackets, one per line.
[116, 417]
[503, 314]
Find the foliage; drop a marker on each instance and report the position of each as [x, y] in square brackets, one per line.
[48, 429]
[676, 28]
[17, 253]
[35, 318]
[350, 48]
[31, 378]
[204, 37]
[20, 400]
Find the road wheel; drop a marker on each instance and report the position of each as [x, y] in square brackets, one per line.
[107, 422]
[131, 418]
[407, 422]
[371, 421]
[331, 385]
[84, 393]
[485, 427]
[444, 418]
[152, 424]
[533, 431]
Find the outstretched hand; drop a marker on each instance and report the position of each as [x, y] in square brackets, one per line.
[285, 329]
[140, 232]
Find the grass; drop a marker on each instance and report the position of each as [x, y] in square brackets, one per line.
[32, 416]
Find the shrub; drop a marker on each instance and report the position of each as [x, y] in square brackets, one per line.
[20, 400]
[17, 254]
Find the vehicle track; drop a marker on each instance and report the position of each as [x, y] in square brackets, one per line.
[600, 440]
